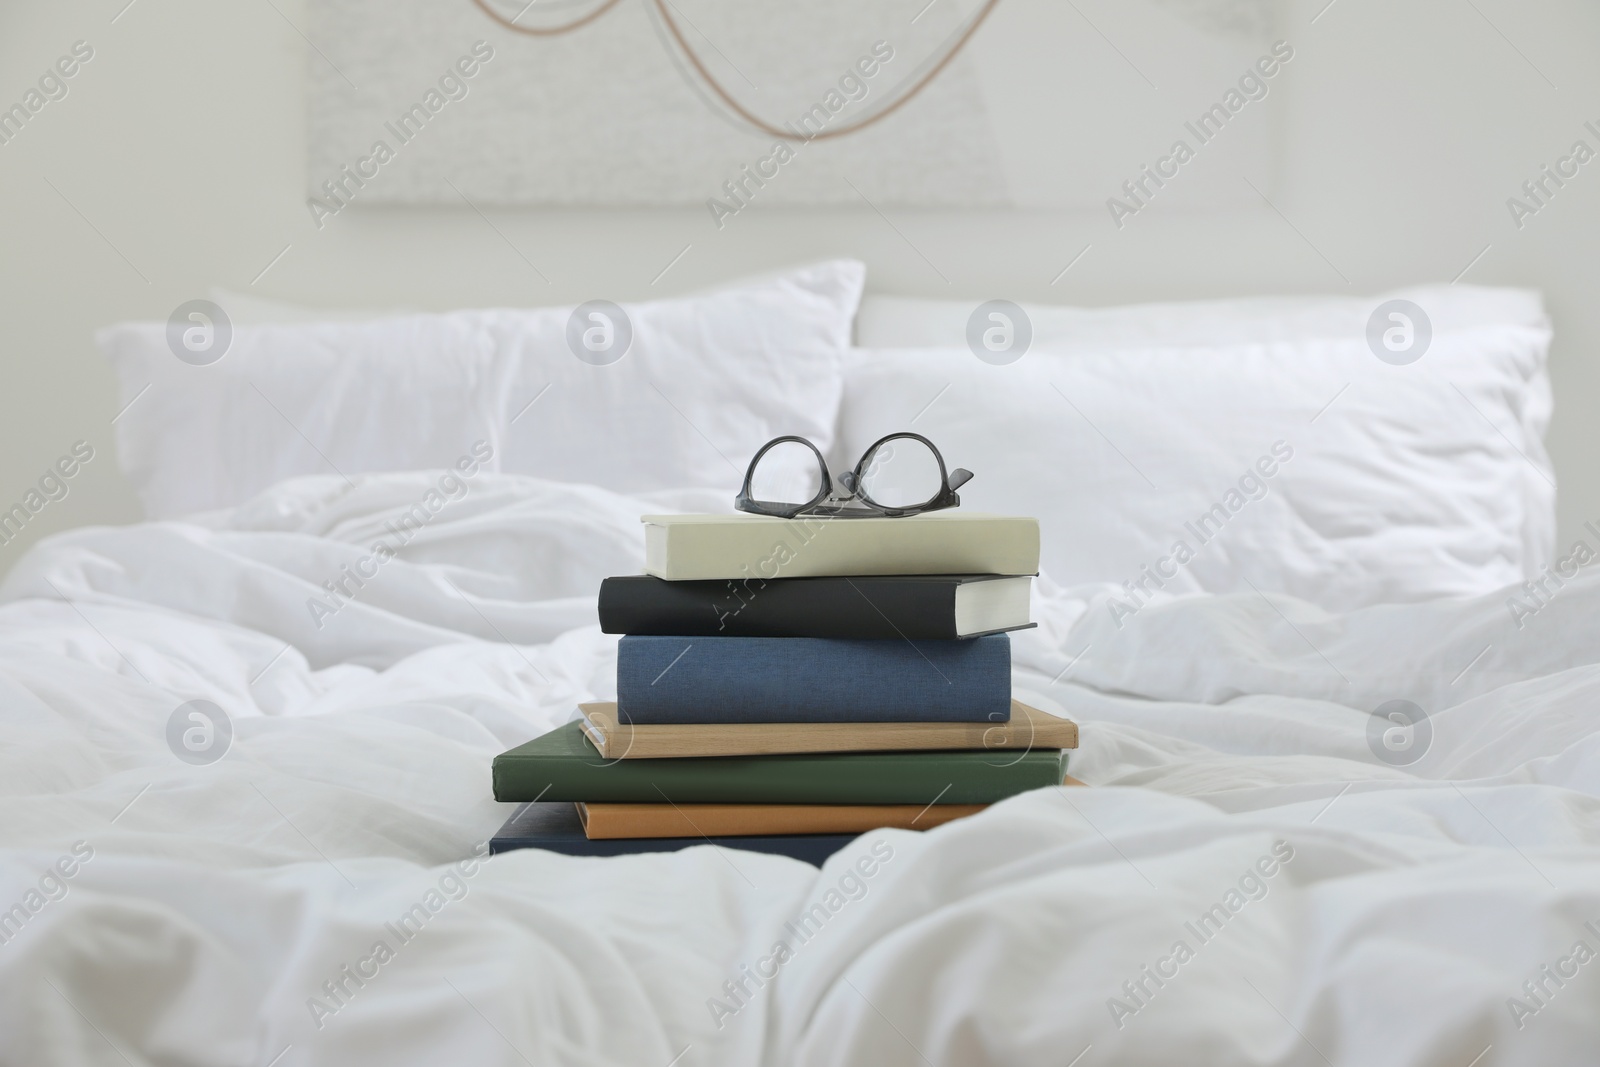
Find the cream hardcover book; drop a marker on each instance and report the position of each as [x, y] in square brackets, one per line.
[758, 547]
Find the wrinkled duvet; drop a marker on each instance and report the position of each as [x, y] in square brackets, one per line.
[244, 795]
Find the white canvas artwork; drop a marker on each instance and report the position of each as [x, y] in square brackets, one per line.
[433, 102]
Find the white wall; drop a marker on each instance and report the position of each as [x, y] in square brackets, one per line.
[182, 145]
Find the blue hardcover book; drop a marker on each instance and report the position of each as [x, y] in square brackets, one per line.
[812, 679]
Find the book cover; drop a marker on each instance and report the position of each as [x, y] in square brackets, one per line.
[687, 547]
[1027, 728]
[563, 765]
[556, 828]
[812, 679]
[607, 821]
[930, 607]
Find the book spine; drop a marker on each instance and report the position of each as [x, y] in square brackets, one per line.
[760, 679]
[848, 608]
[735, 820]
[849, 779]
[808, 848]
[810, 547]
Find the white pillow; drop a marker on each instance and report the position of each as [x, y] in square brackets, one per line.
[1387, 483]
[909, 322]
[708, 381]
[705, 381]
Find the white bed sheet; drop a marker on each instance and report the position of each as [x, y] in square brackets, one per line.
[1222, 734]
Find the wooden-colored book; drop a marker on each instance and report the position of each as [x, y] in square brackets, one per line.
[612, 821]
[1029, 728]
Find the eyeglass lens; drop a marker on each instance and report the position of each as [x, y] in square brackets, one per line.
[902, 472]
[788, 473]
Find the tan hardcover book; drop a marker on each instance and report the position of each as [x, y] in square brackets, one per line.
[602, 821]
[1029, 728]
[687, 547]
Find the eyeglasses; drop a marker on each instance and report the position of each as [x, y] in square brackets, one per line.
[902, 474]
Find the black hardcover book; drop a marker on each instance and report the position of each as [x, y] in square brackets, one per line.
[933, 607]
[555, 827]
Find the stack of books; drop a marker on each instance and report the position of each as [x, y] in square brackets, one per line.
[786, 684]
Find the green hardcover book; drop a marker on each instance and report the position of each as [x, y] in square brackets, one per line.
[563, 765]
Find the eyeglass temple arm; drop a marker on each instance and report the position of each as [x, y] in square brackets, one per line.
[958, 477]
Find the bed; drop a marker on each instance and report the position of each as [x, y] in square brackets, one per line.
[1340, 810]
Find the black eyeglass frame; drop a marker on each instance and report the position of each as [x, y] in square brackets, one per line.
[827, 503]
